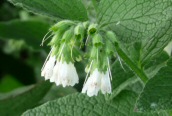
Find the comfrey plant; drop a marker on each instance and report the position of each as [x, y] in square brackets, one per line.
[67, 41]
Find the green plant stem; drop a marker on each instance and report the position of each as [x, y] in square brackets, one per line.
[122, 86]
[127, 60]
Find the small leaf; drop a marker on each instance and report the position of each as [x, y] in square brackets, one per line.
[63, 9]
[157, 94]
[20, 102]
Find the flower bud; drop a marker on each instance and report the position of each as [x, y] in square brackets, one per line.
[111, 36]
[68, 35]
[97, 40]
[79, 31]
[56, 38]
[92, 29]
[62, 25]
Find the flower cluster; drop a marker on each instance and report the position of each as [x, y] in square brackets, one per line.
[66, 44]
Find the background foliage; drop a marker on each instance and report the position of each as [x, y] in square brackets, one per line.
[143, 87]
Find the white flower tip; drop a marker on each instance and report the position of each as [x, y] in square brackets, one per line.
[42, 73]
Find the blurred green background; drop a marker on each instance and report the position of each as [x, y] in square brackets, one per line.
[20, 62]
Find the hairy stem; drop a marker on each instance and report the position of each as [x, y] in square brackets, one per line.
[127, 60]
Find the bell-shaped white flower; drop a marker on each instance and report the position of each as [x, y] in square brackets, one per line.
[47, 71]
[55, 72]
[64, 74]
[93, 84]
[105, 83]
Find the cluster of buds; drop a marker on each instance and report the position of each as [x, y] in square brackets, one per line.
[68, 38]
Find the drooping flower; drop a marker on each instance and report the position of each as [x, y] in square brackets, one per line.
[64, 74]
[60, 68]
[68, 38]
[93, 84]
[47, 70]
[97, 81]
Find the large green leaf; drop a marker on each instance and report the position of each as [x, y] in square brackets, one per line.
[157, 94]
[15, 103]
[30, 31]
[63, 9]
[82, 105]
[136, 19]
[145, 24]
[57, 92]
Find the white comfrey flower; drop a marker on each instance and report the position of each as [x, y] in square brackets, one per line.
[105, 83]
[97, 81]
[64, 74]
[93, 84]
[47, 70]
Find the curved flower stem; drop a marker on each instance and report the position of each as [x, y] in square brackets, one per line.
[127, 60]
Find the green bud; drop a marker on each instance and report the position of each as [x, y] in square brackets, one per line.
[109, 48]
[97, 40]
[92, 29]
[79, 31]
[68, 35]
[111, 36]
[56, 38]
[93, 54]
[62, 25]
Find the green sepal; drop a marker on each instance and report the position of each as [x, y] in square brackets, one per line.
[55, 51]
[56, 38]
[79, 31]
[97, 40]
[62, 25]
[111, 36]
[67, 53]
[109, 48]
[76, 54]
[93, 54]
[92, 29]
[68, 35]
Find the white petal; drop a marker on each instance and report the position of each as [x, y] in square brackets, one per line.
[55, 73]
[93, 83]
[67, 75]
[105, 83]
[48, 69]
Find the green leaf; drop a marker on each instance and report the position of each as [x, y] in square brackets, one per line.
[9, 80]
[135, 20]
[16, 104]
[30, 31]
[143, 28]
[79, 104]
[156, 64]
[57, 92]
[157, 94]
[63, 9]
[82, 105]
[124, 78]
